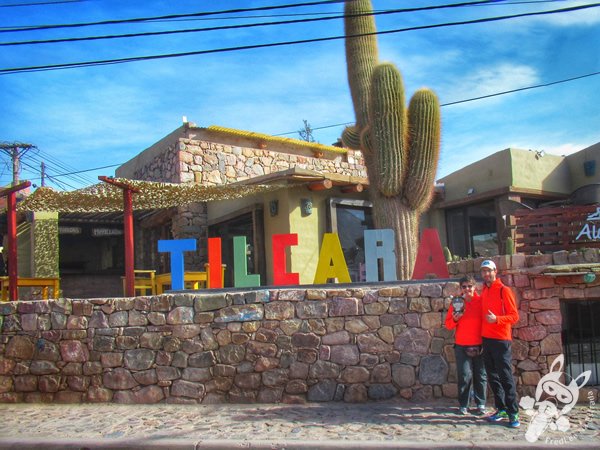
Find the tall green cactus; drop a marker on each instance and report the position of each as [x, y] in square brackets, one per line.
[401, 148]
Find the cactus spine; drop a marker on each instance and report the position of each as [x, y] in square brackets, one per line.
[401, 147]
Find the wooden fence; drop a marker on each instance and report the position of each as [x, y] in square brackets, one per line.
[557, 228]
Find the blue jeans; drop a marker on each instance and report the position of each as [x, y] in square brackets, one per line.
[470, 371]
[497, 355]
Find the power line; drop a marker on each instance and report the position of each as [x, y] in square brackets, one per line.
[170, 16]
[511, 91]
[248, 25]
[58, 2]
[44, 68]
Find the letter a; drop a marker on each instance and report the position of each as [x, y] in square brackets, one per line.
[430, 257]
[331, 252]
[380, 244]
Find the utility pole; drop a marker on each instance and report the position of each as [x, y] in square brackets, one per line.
[43, 174]
[15, 150]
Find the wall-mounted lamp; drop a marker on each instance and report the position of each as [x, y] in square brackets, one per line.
[306, 206]
[470, 191]
[274, 207]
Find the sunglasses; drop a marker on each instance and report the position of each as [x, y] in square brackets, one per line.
[467, 286]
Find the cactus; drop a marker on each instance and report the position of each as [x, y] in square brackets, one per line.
[400, 147]
[448, 254]
[510, 246]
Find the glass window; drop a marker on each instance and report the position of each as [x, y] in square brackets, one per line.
[472, 230]
[353, 217]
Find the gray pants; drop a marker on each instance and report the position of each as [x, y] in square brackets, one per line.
[470, 371]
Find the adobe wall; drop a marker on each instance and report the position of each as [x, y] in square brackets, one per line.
[271, 345]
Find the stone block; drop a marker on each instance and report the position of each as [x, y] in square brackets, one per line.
[311, 310]
[149, 395]
[21, 347]
[382, 391]
[139, 359]
[371, 343]
[336, 338]
[419, 304]
[381, 373]
[322, 391]
[345, 355]
[433, 370]
[182, 388]
[305, 340]
[118, 379]
[241, 313]
[356, 393]
[43, 368]
[74, 351]
[414, 340]
[403, 375]
[146, 377]
[25, 383]
[324, 369]
[551, 344]
[553, 317]
[97, 394]
[341, 306]
[196, 374]
[279, 311]
[202, 359]
[232, 354]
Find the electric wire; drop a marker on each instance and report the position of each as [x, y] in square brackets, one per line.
[63, 66]
[240, 26]
[170, 16]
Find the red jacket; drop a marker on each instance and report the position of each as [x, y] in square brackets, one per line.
[468, 327]
[501, 301]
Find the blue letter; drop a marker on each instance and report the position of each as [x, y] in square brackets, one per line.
[176, 247]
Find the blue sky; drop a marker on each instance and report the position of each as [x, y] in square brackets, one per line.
[90, 117]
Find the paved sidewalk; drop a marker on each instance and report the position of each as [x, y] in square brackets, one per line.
[377, 425]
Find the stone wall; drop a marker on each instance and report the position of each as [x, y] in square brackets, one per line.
[259, 346]
[270, 345]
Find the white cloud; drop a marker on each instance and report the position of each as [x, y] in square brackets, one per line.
[491, 80]
[584, 17]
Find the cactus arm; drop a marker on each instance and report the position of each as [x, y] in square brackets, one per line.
[424, 124]
[361, 54]
[387, 115]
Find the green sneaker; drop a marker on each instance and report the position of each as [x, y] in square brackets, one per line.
[513, 421]
[497, 416]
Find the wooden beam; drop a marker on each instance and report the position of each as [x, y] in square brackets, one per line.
[320, 185]
[353, 188]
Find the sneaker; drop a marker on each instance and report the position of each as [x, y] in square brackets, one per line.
[481, 410]
[497, 416]
[513, 421]
[463, 411]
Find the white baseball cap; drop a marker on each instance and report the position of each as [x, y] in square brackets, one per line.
[488, 264]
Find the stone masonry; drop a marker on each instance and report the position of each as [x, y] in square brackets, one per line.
[272, 345]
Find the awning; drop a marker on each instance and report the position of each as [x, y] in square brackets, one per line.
[104, 197]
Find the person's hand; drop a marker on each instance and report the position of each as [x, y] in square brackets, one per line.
[491, 317]
[456, 316]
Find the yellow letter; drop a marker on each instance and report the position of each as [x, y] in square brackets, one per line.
[331, 252]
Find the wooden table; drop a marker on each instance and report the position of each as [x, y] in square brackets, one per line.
[43, 283]
[191, 280]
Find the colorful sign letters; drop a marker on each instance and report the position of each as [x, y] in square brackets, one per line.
[379, 246]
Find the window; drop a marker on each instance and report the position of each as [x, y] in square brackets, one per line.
[581, 338]
[353, 217]
[249, 223]
[472, 230]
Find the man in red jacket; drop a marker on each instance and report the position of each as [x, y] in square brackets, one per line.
[499, 313]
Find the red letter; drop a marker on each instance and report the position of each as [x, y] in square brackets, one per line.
[214, 263]
[280, 275]
[430, 257]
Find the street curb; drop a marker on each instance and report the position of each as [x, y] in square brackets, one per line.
[190, 444]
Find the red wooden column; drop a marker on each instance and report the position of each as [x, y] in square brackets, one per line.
[127, 231]
[11, 219]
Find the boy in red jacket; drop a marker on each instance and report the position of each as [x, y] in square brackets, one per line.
[467, 347]
[499, 313]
